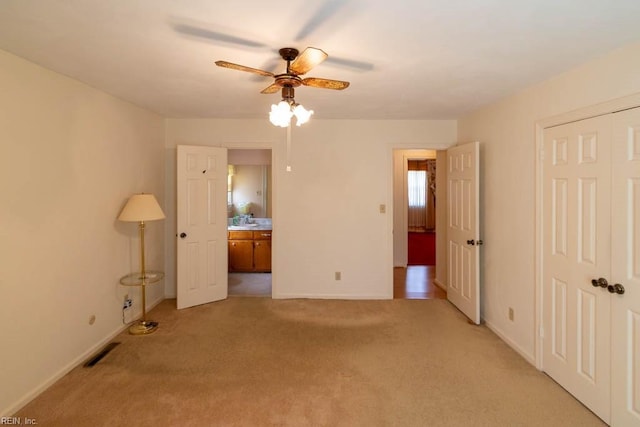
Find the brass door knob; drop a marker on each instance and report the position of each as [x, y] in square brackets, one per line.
[602, 282]
[616, 289]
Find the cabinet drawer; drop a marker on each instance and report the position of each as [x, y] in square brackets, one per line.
[240, 235]
[262, 235]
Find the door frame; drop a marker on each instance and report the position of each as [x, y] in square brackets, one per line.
[404, 230]
[435, 146]
[274, 175]
[607, 107]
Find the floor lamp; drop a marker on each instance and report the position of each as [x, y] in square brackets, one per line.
[141, 208]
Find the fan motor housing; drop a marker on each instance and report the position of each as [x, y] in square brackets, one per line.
[288, 53]
[290, 80]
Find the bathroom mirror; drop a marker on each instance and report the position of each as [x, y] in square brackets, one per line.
[249, 183]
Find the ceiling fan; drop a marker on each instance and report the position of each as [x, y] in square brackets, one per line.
[297, 65]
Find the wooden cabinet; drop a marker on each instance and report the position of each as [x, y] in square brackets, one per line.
[250, 251]
[262, 250]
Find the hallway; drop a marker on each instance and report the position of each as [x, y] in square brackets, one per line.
[416, 282]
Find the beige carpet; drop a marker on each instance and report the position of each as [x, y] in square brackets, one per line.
[258, 361]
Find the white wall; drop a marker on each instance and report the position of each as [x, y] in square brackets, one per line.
[70, 156]
[506, 131]
[326, 210]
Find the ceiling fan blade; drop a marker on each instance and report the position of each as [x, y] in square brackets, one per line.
[203, 33]
[232, 66]
[308, 59]
[349, 64]
[270, 89]
[325, 83]
[328, 9]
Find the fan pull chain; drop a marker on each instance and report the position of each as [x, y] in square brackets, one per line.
[289, 148]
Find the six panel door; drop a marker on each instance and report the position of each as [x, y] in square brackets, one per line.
[591, 263]
[576, 251]
[625, 235]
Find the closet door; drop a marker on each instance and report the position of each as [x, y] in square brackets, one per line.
[625, 308]
[576, 254]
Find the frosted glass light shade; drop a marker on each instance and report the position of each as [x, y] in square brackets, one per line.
[141, 207]
[302, 115]
[280, 114]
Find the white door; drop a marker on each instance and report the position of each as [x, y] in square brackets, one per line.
[576, 200]
[463, 236]
[201, 225]
[625, 235]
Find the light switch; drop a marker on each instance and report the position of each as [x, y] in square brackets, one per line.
[383, 208]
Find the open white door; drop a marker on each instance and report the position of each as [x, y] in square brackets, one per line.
[202, 225]
[625, 277]
[463, 235]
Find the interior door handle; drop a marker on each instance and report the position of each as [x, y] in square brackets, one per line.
[183, 235]
[471, 242]
[602, 282]
[616, 289]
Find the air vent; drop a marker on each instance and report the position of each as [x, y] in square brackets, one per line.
[98, 357]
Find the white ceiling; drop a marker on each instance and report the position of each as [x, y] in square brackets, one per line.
[405, 59]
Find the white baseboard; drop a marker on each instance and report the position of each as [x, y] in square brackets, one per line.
[439, 284]
[526, 355]
[24, 400]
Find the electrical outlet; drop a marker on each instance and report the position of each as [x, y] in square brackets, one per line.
[127, 303]
[127, 311]
[511, 314]
[338, 275]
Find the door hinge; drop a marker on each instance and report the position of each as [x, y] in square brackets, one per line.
[541, 332]
[541, 154]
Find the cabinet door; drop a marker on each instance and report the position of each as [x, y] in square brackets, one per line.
[262, 255]
[240, 255]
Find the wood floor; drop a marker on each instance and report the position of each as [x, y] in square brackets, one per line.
[413, 282]
[416, 282]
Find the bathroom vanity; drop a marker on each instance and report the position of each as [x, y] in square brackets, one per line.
[250, 248]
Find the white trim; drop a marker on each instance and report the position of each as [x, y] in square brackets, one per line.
[439, 284]
[607, 107]
[29, 396]
[526, 355]
[391, 147]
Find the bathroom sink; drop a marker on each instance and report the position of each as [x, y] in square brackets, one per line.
[241, 227]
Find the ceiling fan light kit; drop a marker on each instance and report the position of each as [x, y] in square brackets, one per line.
[281, 114]
[297, 65]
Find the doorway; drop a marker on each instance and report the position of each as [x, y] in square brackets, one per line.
[415, 185]
[421, 219]
[249, 212]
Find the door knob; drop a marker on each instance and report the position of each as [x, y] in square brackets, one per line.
[616, 289]
[471, 242]
[183, 235]
[600, 282]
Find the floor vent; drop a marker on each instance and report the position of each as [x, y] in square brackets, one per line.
[98, 357]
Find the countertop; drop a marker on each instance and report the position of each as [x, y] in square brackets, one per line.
[249, 227]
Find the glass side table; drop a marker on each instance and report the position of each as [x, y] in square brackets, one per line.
[142, 326]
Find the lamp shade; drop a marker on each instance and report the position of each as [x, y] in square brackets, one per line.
[141, 207]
